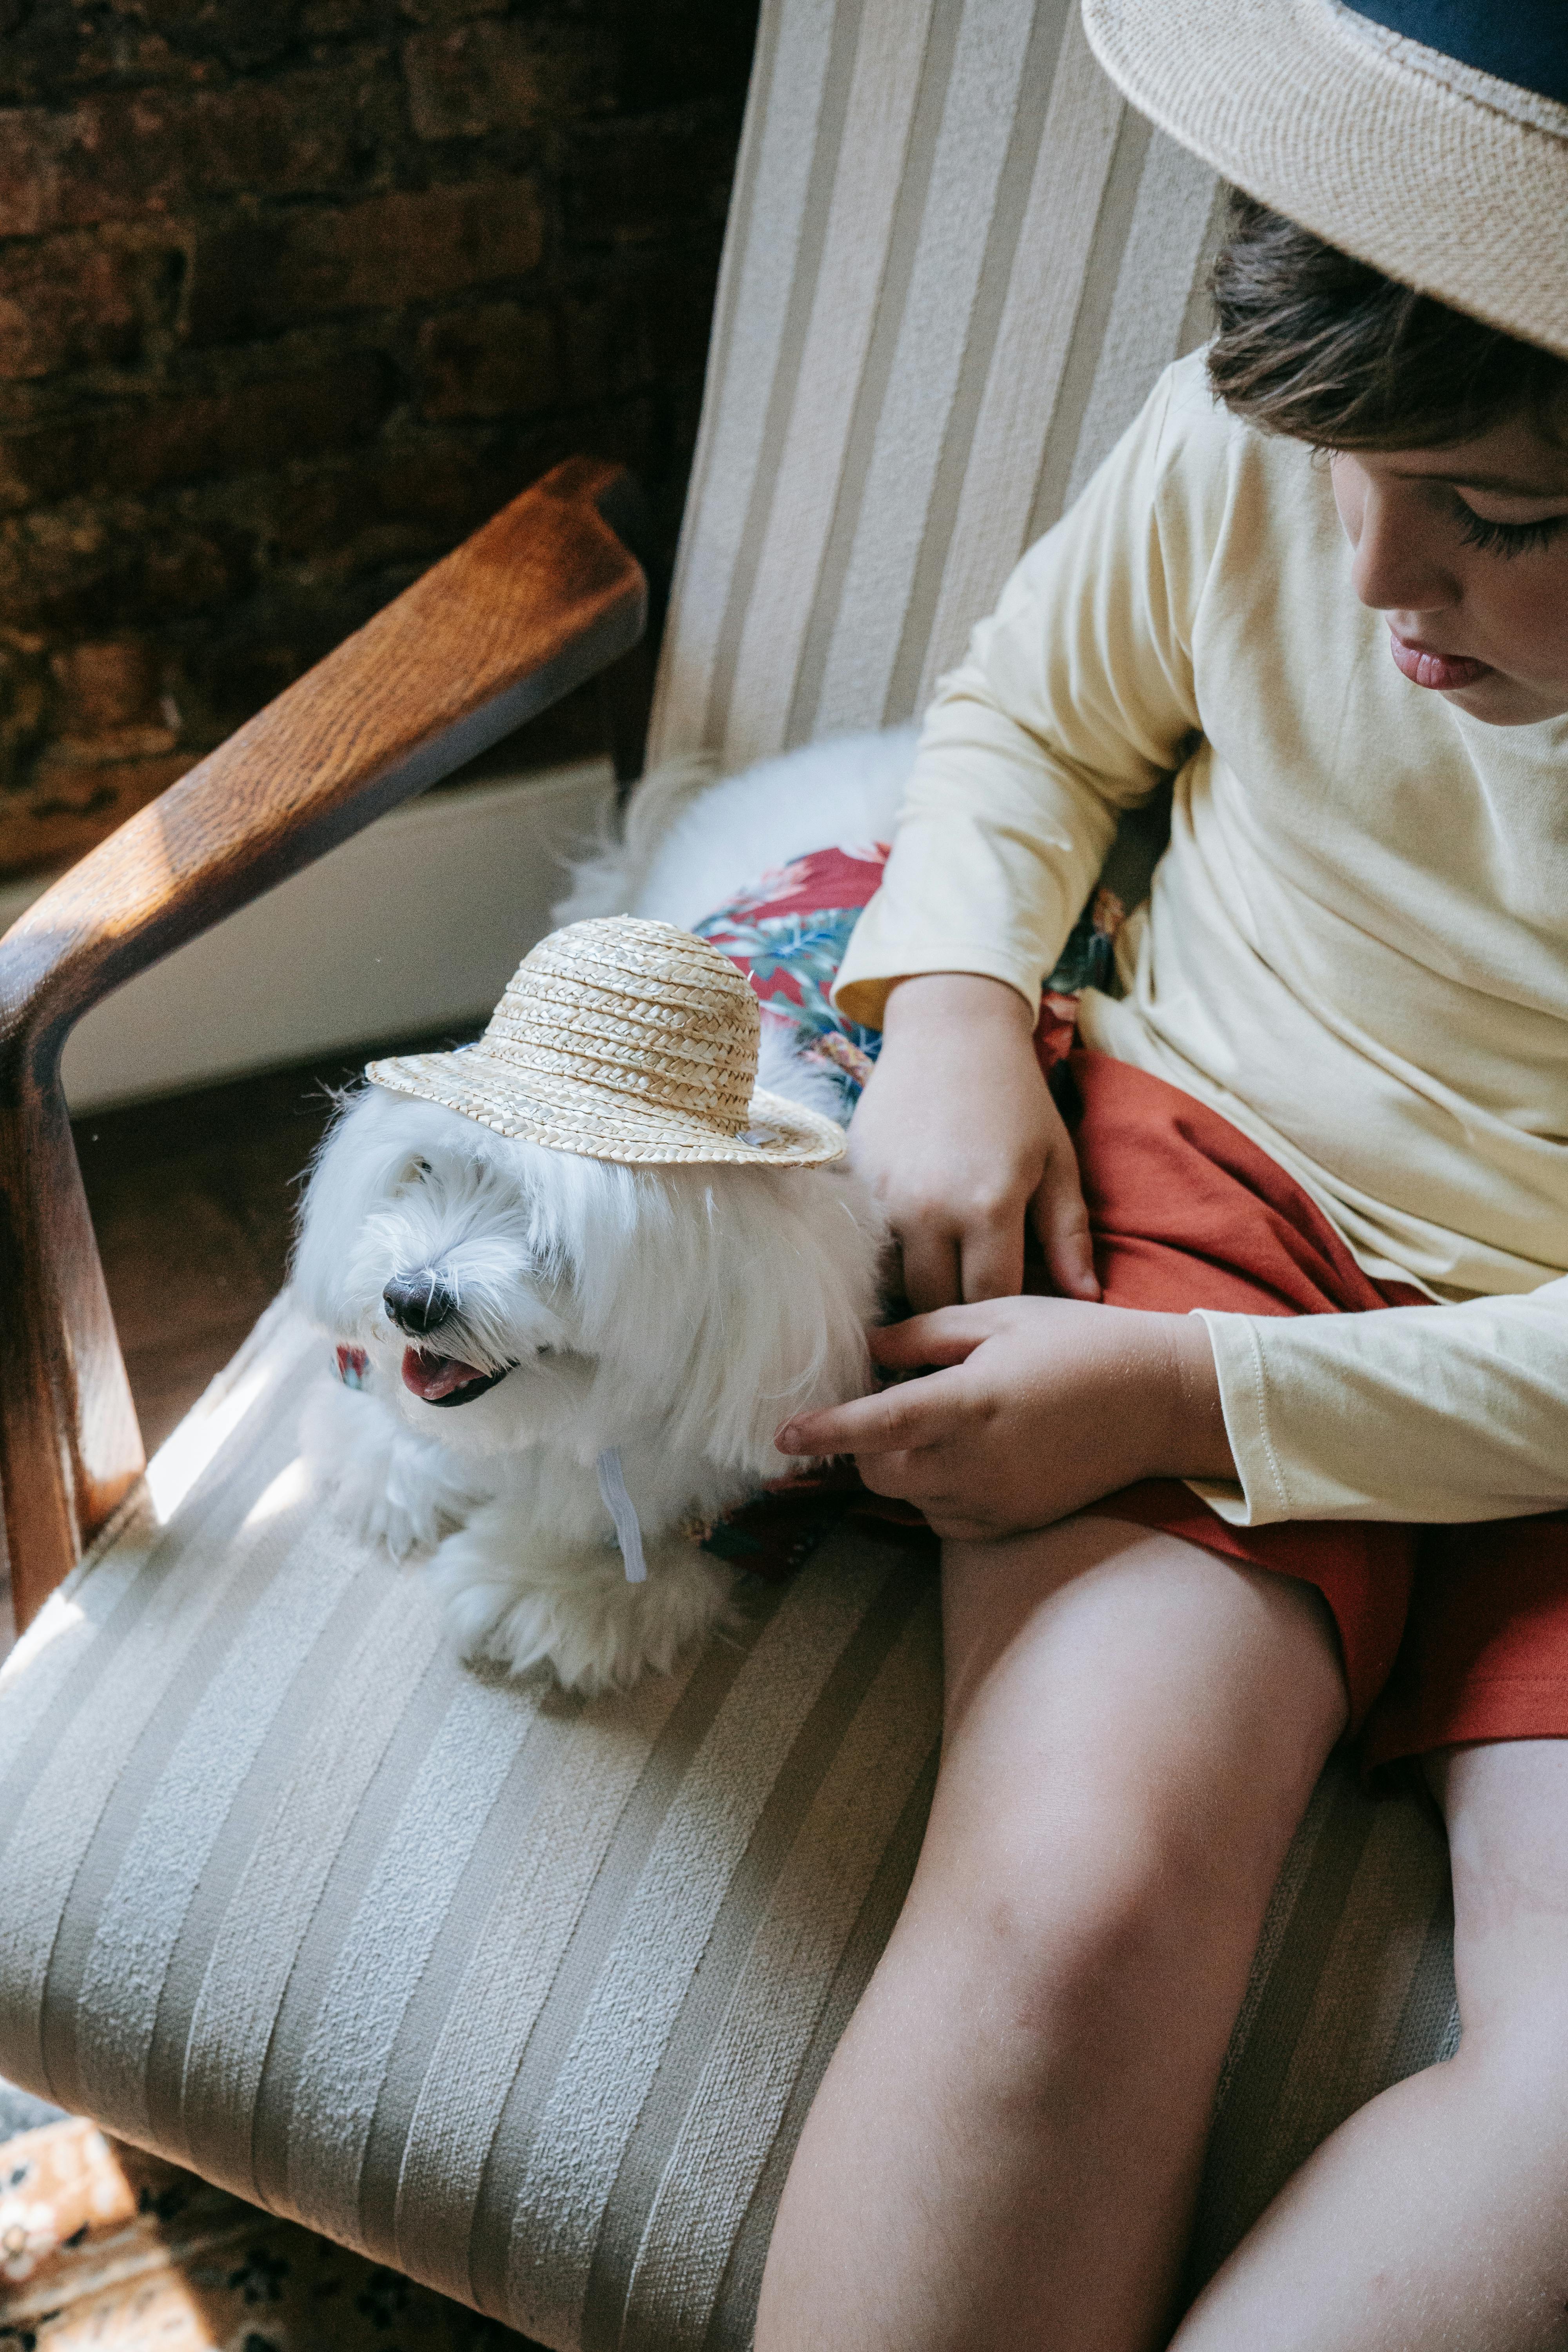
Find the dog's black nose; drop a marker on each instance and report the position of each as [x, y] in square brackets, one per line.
[419, 1302]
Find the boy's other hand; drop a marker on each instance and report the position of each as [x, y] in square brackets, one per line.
[957, 1136]
[1042, 1405]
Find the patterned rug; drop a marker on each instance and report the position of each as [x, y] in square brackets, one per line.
[102, 2246]
[20, 2112]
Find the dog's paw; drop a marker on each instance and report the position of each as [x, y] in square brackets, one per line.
[575, 1612]
[389, 1486]
[399, 1526]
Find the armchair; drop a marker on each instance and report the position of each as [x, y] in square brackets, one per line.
[524, 1995]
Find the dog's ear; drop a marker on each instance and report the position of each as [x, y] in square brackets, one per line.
[793, 1290]
[374, 1140]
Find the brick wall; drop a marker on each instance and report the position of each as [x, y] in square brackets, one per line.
[294, 293]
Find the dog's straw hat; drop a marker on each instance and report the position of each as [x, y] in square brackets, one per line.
[625, 1040]
[1426, 137]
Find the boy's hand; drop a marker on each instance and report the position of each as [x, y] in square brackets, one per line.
[1047, 1404]
[958, 1137]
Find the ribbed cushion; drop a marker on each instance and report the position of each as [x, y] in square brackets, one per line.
[526, 1996]
[523, 1992]
[955, 263]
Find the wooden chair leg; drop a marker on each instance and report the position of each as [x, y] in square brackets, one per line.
[540, 600]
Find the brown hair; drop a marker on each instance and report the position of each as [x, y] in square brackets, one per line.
[1321, 347]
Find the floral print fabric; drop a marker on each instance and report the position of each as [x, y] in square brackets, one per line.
[789, 931]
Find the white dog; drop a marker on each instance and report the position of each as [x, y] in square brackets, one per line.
[555, 1348]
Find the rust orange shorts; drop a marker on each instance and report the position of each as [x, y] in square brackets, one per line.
[1450, 1634]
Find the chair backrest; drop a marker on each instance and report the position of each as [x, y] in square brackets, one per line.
[956, 262]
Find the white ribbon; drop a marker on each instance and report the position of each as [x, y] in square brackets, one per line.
[618, 1503]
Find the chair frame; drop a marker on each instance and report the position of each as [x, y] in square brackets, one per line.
[539, 600]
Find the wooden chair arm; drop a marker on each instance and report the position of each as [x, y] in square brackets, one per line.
[536, 601]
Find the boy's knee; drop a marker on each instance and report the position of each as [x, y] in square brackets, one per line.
[1074, 1958]
[1076, 1978]
[1515, 2030]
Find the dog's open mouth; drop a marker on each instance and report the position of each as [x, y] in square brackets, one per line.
[446, 1380]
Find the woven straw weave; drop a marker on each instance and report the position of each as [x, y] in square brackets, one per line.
[623, 1039]
[1445, 179]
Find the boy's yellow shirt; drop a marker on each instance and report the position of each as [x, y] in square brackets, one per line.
[1356, 948]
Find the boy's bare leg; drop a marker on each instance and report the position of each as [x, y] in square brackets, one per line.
[1005, 2151]
[1437, 2218]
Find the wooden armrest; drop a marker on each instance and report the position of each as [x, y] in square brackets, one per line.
[536, 601]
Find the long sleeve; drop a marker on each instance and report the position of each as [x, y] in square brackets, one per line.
[1427, 1414]
[1075, 699]
[1354, 947]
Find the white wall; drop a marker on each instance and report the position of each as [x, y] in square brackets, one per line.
[416, 923]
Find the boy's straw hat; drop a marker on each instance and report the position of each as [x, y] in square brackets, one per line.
[1426, 137]
[626, 1040]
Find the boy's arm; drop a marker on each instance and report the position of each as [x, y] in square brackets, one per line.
[1434, 1414]
[1076, 698]
[960, 1140]
[1039, 1407]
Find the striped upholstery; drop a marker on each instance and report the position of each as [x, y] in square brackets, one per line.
[956, 263]
[524, 1993]
[526, 1996]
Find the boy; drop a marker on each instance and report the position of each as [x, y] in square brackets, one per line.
[1298, 1406]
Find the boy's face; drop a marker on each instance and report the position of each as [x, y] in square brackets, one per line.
[1465, 550]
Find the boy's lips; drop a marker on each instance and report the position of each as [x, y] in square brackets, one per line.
[446, 1380]
[1446, 672]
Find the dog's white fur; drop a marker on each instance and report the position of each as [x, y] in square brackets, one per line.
[677, 1313]
[691, 843]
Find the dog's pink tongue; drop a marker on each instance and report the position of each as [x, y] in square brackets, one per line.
[431, 1377]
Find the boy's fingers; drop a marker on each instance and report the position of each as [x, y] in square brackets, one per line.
[913, 1477]
[931, 1269]
[918, 1412]
[993, 1261]
[946, 1337]
[1061, 1220]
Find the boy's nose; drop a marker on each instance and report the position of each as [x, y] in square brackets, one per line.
[420, 1301]
[1401, 564]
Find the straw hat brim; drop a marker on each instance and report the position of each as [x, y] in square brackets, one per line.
[597, 1123]
[1443, 178]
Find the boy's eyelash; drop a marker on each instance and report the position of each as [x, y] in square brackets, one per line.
[1507, 537]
